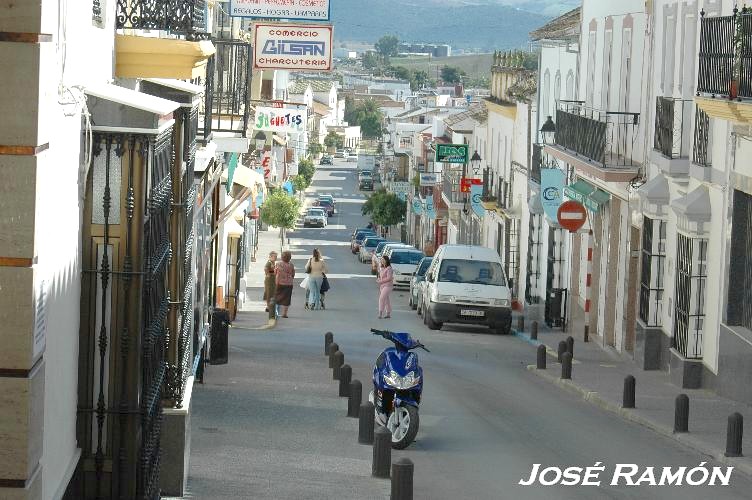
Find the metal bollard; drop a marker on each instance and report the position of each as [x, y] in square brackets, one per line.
[534, 330]
[345, 376]
[339, 360]
[354, 399]
[402, 479]
[734, 432]
[328, 339]
[520, 324]
[566, 366]
[681, 413]
[333, 347]
[562, 349]
[541, 351]
[382, 452]
[366, 423]
[570, 345]
[628, 401]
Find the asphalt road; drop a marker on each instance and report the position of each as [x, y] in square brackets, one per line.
[484, 419]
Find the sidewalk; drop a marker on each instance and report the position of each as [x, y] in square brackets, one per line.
[598, 377]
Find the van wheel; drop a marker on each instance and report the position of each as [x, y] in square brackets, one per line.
[430, 323]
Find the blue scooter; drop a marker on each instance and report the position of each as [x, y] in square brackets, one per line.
[398, 384]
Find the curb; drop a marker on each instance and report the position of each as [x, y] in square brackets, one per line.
[551, 352]
[687, 440]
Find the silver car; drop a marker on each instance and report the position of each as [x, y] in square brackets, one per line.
[315, 217]
[415, 283]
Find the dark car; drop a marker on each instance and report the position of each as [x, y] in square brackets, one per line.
[326, 160]
[366, 184]
[326, 205]
[358, 238]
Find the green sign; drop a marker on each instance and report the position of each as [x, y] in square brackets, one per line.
[232, 165]
[452, 153]
[591, 197]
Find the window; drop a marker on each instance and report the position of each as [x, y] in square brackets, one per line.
[512, 254]
[652, 274]
[689, 309]
[740, 264]
[555, 262]
[532, 291]
[471, 271]
[402, 257]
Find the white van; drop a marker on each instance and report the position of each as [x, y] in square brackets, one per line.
[467, 284]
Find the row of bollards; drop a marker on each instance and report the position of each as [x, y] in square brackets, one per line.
[565, 353]
[401, 471]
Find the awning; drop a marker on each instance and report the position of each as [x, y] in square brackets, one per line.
[694, 206]
[246, 177]
[121, 109]
[186, 93]
[233, 228]
[587, 194]
[279, 140]
[655, 190]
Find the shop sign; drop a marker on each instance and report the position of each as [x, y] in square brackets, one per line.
[400, 187]
[466, 184]
[428, 179]
[552, 190]
[417, 206]
[476, 200]
[293, 47]
[280, 120]
[294, 10]
[452, 153]
[430, 209]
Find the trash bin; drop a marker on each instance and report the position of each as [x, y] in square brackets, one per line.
[555, 308]
[218, 341]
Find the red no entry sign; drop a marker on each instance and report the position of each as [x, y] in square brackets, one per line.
[572, 215]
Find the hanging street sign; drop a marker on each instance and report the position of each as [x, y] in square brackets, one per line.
[293, 10]
[452, 153]
[428, 179]
[287, 46]
[476, 200]
[552, 190]
[430, 210]
[281, 120]
[466, 184]
[572, 215]
[417, 206]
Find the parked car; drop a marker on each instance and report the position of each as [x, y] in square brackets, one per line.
[366, 184]
[352, 157]
[404, 263]
[326, 205]
[368, 246]
[339, 154]
[315, 217]
[327, 197]
[358, 238]
[376, 259]
[467, 284]
[365, 174]
[420, 276]
[326, 160]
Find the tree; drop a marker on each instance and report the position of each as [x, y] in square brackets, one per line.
[280, 210]
[402, 73]
[314, 148]
[300, 183]
[334, 140]
[419, 79]
[306, 169]
[367, 115]
[385, 209]
[371, 60]
[452, 74]
[387, 46]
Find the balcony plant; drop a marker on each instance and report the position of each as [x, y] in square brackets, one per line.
[740, 44]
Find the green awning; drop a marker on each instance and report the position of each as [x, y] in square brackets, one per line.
[587, 194]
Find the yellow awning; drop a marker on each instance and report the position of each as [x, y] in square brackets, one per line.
[150, 57]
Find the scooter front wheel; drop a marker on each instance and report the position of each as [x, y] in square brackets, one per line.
[403, 424]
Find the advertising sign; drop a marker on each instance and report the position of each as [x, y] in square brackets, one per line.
[294, 10]
[476, 198]
[417, 206]
[293, 47]
[552, 190]
[466, 184]
[400, 187]
[451, 153]
[428, 179]
[281, 120]
[430, 210]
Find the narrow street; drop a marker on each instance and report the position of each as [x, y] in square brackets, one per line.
[269, 424]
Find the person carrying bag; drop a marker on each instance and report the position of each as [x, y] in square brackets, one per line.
[317, 269]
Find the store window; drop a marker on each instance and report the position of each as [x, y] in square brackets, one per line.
[689, 309]
[653, 271]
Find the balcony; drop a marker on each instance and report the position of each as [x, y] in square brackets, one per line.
[725, 66]
[671, 139]
[227, 98]
[599, 143]
[180, 54]
[450, 190]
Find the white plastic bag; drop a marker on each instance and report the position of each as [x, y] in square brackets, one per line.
[304, 283]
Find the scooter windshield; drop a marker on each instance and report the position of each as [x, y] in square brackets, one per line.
[405, 340]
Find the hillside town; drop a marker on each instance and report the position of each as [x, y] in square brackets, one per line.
[198, 194]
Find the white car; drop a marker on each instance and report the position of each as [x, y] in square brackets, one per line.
[315, 217]
[380, 249]
[368, 247]
[404, 263]
[467, 284]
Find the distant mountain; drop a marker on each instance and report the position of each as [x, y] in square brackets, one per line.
[466, 24]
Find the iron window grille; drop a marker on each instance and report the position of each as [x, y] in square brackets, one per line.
[532, 292]
[671, 118]
[701, 154]
[180, 17]
[718, 56]
[511, 254]
[653, 269]
[689, 309]
[227, 93]
[740, 268]
[555, 260]
[537, 163]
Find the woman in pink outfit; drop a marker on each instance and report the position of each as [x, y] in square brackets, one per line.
[385, 281]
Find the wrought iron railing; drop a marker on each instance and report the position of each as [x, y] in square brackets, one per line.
[701, 153]
[726, 46]
[605, 137]
[671, 123]
[227, 93]
[180, 17]
[451, 186]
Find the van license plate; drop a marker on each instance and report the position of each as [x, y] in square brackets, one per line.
[470, 312]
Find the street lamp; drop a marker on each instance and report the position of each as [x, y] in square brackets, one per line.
[475, 161]
[548, 131]
[260, 140]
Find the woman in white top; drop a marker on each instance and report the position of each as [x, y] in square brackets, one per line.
[316, 268]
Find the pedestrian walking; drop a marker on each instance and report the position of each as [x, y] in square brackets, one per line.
[285, 276]
[316, 268]
[386, 283]
[270, 280]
